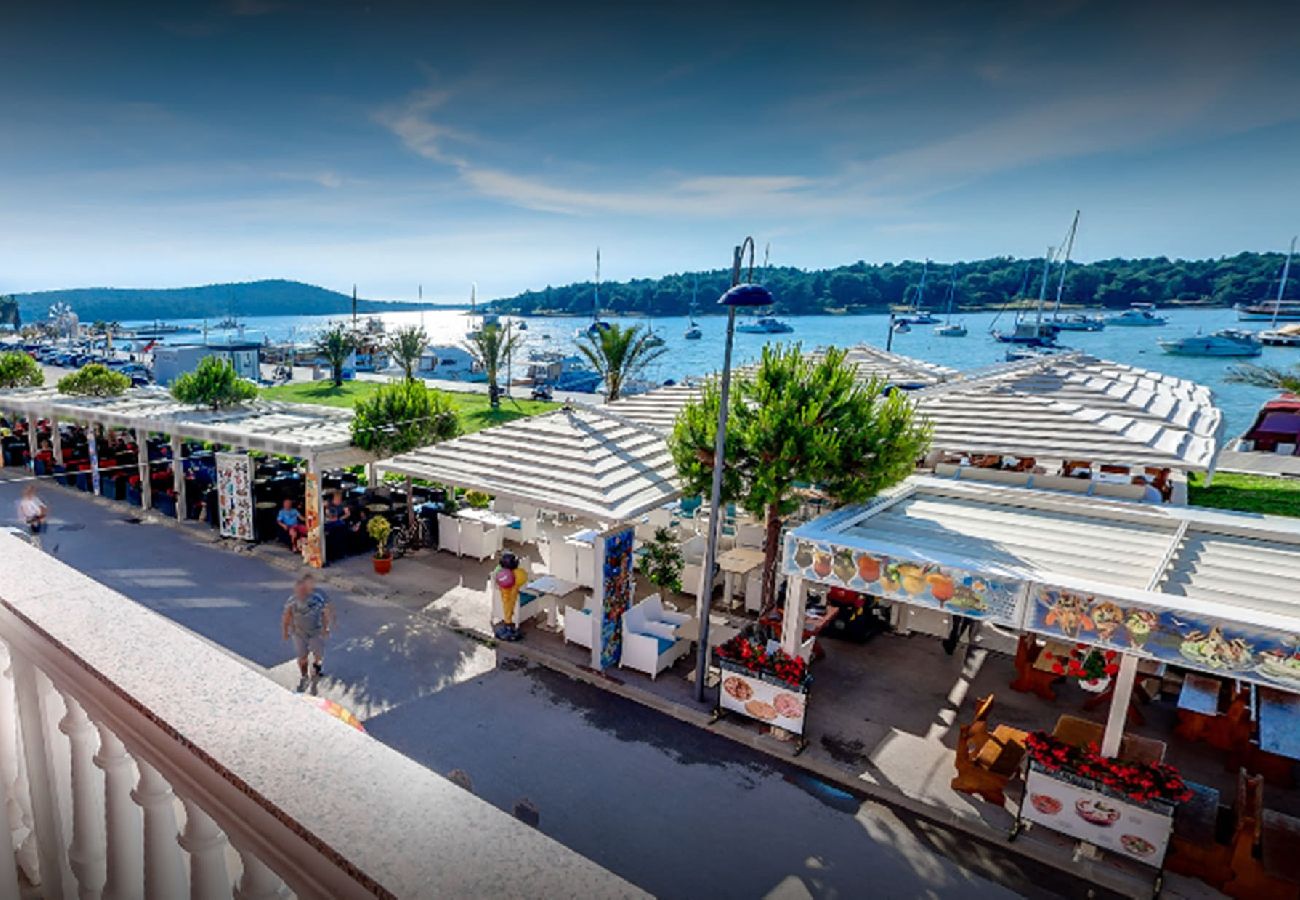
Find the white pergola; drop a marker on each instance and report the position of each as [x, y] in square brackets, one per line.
[320, 435]
[584, 462]
[1199, 588]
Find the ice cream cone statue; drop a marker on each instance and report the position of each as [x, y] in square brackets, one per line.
[508, 578]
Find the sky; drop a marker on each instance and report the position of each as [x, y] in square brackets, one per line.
[397, 145]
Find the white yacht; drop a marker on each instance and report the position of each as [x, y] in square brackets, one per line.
[765, 325]
[1279, 309]
[1228, 342]
[950, 328]
[1138, 315]
[1286, 336]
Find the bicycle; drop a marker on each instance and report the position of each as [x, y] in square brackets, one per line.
[407, 539]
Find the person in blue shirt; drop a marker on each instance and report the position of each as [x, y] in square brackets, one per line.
[290, 522]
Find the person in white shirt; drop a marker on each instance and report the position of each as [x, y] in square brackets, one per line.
[32, 510]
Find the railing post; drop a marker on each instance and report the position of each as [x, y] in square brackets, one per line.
[206, 845]
[86, 852]
[122, 817]
[40, 777]
[16, 815]
[164, 870]
[257, 882]
[8, 866]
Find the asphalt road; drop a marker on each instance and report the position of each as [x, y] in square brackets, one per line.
[678, 811]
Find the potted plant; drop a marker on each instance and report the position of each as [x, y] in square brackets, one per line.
[1093, 667]
[379, 531]
[661, 561]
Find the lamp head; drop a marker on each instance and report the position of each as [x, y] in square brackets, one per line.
[747, 295]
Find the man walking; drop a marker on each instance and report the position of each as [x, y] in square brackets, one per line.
[308, 618]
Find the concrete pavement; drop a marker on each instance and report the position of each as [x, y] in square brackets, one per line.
[678, 811]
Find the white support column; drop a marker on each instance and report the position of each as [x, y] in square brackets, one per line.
[178, 477]
[125, 849]
[146, 483]
[33, 439]
[8, 804]
[1119, 702]
[164, 870]
[257, 882]
[796, 604]
[56, 441]
[372, 476]
[86, 852]
[46, 819]
[16, 816]
[206, 845]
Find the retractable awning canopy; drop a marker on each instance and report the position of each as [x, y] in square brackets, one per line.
[1199, 588]
[322, 433]
[580, 461]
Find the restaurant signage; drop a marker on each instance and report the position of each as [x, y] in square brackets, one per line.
[769, 700]
[942, 587]
[617, 588]
[235, 495]
[1070, 806]
[313, 547]
[92, 450]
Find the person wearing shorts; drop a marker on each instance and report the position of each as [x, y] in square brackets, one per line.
[308, 618]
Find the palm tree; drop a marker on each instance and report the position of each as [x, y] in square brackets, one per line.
[407, 346]
[491, 346]
[1274, 377]
[336, 344]
[619, 354]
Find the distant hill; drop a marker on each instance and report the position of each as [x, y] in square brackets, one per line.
[274, 297]
[980, 284]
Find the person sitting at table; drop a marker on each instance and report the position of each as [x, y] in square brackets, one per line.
[336, 513]
[1150, 493]
[291, 524]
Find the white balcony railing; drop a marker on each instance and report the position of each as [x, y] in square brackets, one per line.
[136, 761]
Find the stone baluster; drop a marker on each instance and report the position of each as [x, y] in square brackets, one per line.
[16, 814]
[206, 845]
[164, 869]
[8, 867]
[86, 852]
[124, 847]
[46, 815]
[257, 882]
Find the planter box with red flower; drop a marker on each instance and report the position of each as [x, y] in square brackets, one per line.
[1119, 805]
[770, 687]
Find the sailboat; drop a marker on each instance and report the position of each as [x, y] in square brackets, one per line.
[1072, 321]
[1035, 332]
[950, 328]
[488, 319]
[693, 332]
[598, 324]
[1282, 310]
[917, 315]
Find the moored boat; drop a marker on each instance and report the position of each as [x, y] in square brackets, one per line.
[765, 325]
[1279, 309]
[1138, 315]
[1276, 428]
[1227, 342]
[950, 328]
[1286, 336]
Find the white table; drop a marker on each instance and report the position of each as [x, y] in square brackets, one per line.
[551, 591]
[740, 561]
[487, 517]
[584, 538]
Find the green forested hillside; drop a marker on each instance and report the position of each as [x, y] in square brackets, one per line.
[275, 297]
[9, 312]
[1248, 277]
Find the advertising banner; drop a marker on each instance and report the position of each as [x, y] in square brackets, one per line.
[1134, 831]
[235, 495]
[618, 585]
[92, 448]
[773, 704]
[313, 548]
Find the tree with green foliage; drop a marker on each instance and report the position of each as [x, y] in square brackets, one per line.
[336, 344]
[94, 380]
[20, 370]
[491, 346]
[401, 416]
[799, 421]
[213, 384]
[661, 561]
[1274, 377]
[9, 312]
[619, 354]
[406, 346]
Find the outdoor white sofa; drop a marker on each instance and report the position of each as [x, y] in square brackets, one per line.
[580, 624]
[449, 534]
[650, 642]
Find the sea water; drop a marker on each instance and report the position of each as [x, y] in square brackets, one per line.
[1135, 346]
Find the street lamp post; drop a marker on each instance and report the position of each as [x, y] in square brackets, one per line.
[739, 295]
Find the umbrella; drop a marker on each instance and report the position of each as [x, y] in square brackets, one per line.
[342, 713]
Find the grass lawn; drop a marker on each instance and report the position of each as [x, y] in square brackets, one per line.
[1246, 493]
[475, 414]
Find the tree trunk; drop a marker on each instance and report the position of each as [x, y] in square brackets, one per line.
[771, 553]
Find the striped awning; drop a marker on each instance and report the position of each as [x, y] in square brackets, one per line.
[578, 461]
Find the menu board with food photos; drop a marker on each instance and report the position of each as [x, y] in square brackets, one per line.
[773, 704]
[1138, 832]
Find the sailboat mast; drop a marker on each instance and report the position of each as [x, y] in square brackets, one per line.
[1042, 290]
[920, 291]
[952, 292]
[1065, 263]
[595, 309]
[1281, 285]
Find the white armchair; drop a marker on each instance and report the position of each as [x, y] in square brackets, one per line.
[693, 566]
[527, 607]
[650, 642]
[477, 540]
[584, 558]
[580, 624]
[449, 534]
[754, 591]
[750, 535]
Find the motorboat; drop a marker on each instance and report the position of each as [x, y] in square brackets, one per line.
[1079, 322]
[562, 372]
[1138, 315]
[950, 328]
[1279, 309]
[765, 325]
[1030, 332]
[1026, 351]
[521, 325]
[1227, 342]
[915, 315]
[1286, 336]
[901, 327]
[1276, 428]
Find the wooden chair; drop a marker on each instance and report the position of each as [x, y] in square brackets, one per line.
[1194, 847]
[1265, 847]
[986, 762]
[1028, 679]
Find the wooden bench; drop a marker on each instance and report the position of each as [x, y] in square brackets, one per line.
[1030, 680]
[986, 762]
[1265, 847]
